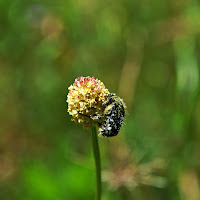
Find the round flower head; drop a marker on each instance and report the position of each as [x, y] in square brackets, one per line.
[85, 99]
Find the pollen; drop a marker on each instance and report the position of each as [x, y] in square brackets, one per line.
[85, 99]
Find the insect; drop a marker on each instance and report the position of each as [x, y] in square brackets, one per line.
[114, 115]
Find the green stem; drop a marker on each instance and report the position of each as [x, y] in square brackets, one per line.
[97, 161]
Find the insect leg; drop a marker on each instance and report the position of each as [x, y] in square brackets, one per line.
[94, 117]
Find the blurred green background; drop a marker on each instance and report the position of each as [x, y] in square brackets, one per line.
[145, 51]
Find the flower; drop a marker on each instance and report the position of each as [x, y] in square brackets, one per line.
[85, 99]
[134, 174]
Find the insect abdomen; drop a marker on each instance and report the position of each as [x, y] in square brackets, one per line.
[114, 119]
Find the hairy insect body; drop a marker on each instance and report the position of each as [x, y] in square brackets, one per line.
[110, 120]
[114, 114]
